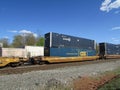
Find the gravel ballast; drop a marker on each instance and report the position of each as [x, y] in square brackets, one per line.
[57, 78]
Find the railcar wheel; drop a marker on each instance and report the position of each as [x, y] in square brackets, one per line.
[41, 62]
[32, 61]
[13, 65]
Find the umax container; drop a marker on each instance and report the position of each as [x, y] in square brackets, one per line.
[56, 40]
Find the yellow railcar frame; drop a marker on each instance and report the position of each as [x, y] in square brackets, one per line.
[68, 59]
[4, 61]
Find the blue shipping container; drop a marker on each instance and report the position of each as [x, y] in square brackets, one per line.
[69, 52]
[56, 40]
[109, 49]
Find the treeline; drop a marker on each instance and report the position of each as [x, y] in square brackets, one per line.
[22, 40]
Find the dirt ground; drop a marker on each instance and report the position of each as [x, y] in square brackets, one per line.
[92, 83]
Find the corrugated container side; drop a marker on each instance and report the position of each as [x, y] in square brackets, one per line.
[56, 40]
[69, 52]
[13, 52]
[112, 49]
[34, 51]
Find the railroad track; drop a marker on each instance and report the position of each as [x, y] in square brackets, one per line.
[29, 68]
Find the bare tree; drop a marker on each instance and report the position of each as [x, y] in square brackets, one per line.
[30, 39]
[24, 39]
[18, 41]
[5, 42]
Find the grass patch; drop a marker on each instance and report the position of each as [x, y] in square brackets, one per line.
[112, 85]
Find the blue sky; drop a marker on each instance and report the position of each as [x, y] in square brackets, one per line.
[92, 19]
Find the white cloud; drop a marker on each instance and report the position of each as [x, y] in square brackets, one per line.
[116, 40]
[104, 6]
[27, 32]
[35, 35]
[6, 37]
[108, 5]
[116, 28]
[116, 12]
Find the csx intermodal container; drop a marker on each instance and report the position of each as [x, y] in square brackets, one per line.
[109, 49]
[68, 52]
[56, 40]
